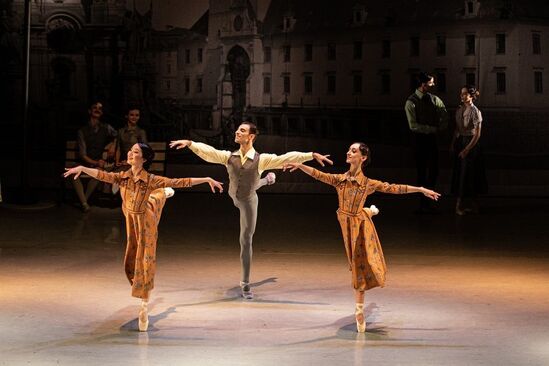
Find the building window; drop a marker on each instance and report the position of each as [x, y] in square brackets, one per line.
[470, 44]
[357, 50]
[441, 82]
[187, 85]
[331, 51]
[308, 52]
[441, 45]
[286, 84]
[500, 44]
[470, 7]
[267, 55]
[288, 23]
[414, 81]
[238, 23]
[538, 82]
[470, 78]
[386, 48]
[358, 17]
[357, 84]
[536, 43]
[169, 68]
[187, 56]
[199, 85]
[385, 83]
[501, 86]
[267, 85]
[168, 85]
[331, 84]
[287, 53]
[414, 46]
[308, 79]
[199, 55]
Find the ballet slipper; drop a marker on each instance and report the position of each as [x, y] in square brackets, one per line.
[143, 317]
[360, 318]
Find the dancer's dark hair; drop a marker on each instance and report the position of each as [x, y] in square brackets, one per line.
[472, 90]
[132, 107]
[365, 151]
[148, 154]
[423, 78]
[252, 126]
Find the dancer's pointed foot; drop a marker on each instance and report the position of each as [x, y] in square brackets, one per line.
[360, 318]
[169, 192]
[143, 317]
[246, 291]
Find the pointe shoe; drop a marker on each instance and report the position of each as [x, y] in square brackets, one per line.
[246, 291]
[374, 210]
[360, 318]
[169, 192]
[271, 178]
[143, 318]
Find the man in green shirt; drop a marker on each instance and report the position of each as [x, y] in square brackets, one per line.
[426, 116]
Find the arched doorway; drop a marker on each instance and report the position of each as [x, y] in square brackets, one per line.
[238, 65]
[62, 83]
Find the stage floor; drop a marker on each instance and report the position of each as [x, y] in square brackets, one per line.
[461, 290]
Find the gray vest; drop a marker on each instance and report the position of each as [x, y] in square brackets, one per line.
[243, 179]
[96, 140]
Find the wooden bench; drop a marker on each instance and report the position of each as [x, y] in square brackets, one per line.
[158, 165]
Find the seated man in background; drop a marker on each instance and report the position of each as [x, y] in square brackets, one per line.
[92, 140]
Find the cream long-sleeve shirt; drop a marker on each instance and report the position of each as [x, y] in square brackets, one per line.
[266, 161]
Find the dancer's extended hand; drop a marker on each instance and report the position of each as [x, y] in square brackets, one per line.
[180, 144]
[215, 184]
[77, 170]
[291, 166]
[321, 159]
[431, 194]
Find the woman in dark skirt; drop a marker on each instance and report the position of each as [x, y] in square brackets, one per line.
[469, 178]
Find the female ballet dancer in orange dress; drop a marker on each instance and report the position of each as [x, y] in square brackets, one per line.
[362, 245]
[143, 198]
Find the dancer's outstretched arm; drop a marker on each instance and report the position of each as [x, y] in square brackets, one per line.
[157, 182]
[273, 161]
[204, 151]
[92, 172]
[384, 187]
[213, 183]
[331, 179]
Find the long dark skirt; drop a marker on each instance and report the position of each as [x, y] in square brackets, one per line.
[469, 176]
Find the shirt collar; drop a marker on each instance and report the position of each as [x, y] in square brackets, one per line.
[96, 127]
[358, 177]
[249, 155]
[419, 93]
[131, 128]
[142, 175]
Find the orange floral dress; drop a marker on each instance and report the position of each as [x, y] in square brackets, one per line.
[364, 253]
[143, 199]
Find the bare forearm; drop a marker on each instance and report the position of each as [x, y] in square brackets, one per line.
[307, 169]
[414, 189]
[197, 181]
[92, 172]
[473, 141]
